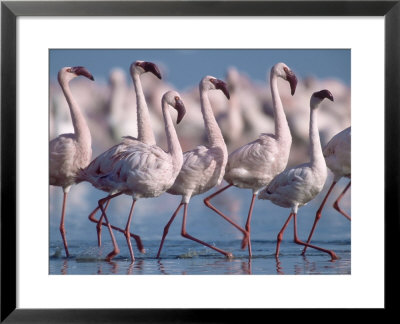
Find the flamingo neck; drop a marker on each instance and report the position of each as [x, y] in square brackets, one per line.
[213, 131]
[81, 129]
[281, 124]
[174, 146]
[145, 132]
[315, 143]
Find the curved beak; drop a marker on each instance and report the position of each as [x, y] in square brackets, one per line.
[292, 79]
[324, 94]
[80, 70]
[180, 107]
[221, 85]
[151, 67]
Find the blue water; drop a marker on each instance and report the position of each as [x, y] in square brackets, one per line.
[186, 257]
[183, 256]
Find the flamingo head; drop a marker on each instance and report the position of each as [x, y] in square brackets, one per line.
[211, 83]
[140, 67]
[284, 72]
[232, 78]
[174, 100]
[68, 73]
[117, 76]
[318, 96]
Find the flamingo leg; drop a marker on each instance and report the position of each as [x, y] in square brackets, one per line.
[280, 235]
[318, 215]
[297, 241]
[116, 249]
[62, 226]
[136, 237]
[98, 226]
[209, 205]
[336, 203]
[166, 228]
[248, 241]
[186, 235]
[127, 231]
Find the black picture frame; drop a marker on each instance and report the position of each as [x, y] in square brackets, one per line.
[11, 10]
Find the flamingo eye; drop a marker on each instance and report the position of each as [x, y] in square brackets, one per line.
[69, 70]
[176, 98]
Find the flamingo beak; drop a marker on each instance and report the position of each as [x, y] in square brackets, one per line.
[221, 85]
[180, 107]
[292, 79]
[151, 67]
[324, 94]
[80, 70]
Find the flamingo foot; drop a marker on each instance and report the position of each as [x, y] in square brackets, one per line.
[229, 255]
[333, 256]
[245, 241]
[112, 254]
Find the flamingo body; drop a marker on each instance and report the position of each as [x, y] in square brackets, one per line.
[337, 153]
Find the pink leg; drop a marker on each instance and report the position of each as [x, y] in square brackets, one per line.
[62, 227]
[166, 228]
[127, 232]
[318, 216]
[136, 237]
[297, 241]
[186, 235]
[336, 203]
[248, 241]
[280, 235]
[116, 249]
[209, 205]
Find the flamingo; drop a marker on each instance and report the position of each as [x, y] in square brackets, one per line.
[230, 121]
[138, 169]
[204, 166]
[296, 186]
[337, 155]
[70, 152]
[255, 164]
[104, 163]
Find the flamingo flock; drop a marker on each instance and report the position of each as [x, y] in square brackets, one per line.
[236, 149]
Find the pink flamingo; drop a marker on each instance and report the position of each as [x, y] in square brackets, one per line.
[138, 169]
[70, 152]
[337, 155]
[204, 166]
[296, 186]
[104, 164]
[255, 164]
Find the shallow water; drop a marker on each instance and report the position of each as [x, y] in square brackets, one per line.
[183, 256]
[186, 257]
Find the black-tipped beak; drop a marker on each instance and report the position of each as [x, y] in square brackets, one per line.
[292, 79]
[180, 107]
[221, 85]
[80, 70]
[323, 94]
[151, 67]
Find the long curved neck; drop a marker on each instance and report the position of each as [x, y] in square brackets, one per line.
[315, 143]
[281, 124]
[174, 147]
[214, 133]
[145, 132]
[81, 129]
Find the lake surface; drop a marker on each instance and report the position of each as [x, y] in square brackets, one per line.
[183, 256]
[186, 257]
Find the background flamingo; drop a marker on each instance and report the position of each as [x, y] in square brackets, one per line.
[203, 167]
[68, 153]
[138, 169]
[337, 155]
[255, 164]
[296, 186]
